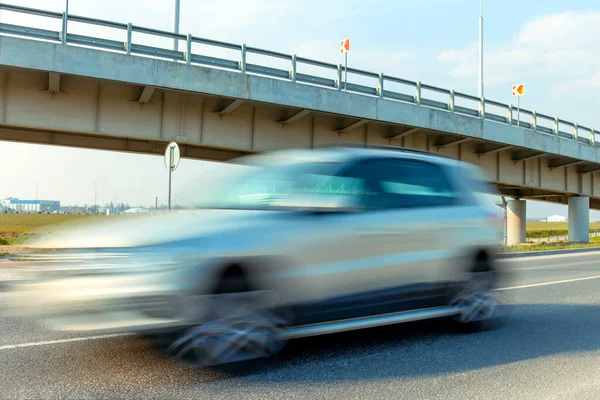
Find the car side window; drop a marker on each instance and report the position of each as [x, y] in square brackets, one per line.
[401, 183]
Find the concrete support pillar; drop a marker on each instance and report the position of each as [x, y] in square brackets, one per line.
[579, 219]
[516, 218]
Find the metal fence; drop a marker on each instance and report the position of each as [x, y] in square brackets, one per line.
[332, 78]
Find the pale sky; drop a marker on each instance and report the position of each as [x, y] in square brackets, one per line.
[549, 45]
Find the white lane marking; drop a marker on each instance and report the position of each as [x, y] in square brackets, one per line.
[59, 341]
[556, 266]
[550, 283]
[550, 256]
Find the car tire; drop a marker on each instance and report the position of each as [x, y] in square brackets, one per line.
[240, 328]
[478, 299]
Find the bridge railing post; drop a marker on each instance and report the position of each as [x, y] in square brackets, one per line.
[593, 136]
[63, 31]
[482, 107]
[509, 115]
[575, 131]
[339, 77]
[380, 85]
[418, 93]
[243, 60]
[556, 125]
[451, 101]
[188, 49]
[129, 35]
[533, 121]
[294, 68]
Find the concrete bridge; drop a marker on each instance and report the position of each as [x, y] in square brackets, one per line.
[65, 89]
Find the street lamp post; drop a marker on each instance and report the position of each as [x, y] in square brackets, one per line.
[480, 49]
[95, 196]
[115, 202]
[176, 25]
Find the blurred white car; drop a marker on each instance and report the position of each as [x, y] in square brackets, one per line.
[304, 243]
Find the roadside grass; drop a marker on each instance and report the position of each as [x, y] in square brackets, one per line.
[594, 242]
[16, 228]
[554, 226]
[549, 230]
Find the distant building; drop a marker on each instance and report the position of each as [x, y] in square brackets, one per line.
[136, 210]
[76, 210]
[31, 205]
[556, 218]
[5, 204]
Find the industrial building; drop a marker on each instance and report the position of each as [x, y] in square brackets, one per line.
[556, 218]
[31, 206]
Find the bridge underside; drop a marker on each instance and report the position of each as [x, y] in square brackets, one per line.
[58, 109]
[36, 135]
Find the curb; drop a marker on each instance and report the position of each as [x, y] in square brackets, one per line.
[547, 252]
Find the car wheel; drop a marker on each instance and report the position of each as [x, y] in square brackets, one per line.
[478, 300]
[240, 327]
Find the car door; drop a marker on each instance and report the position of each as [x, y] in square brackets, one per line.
[385, 256]
[411, 211]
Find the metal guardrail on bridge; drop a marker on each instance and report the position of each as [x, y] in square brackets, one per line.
[334, 80]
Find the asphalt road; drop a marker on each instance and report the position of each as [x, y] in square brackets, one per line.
[547, 347]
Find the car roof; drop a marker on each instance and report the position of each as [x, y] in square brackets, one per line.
[345, 154]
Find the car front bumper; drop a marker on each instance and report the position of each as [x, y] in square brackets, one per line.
[107, 303]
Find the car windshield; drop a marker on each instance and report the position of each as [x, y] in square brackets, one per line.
[279, 185]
